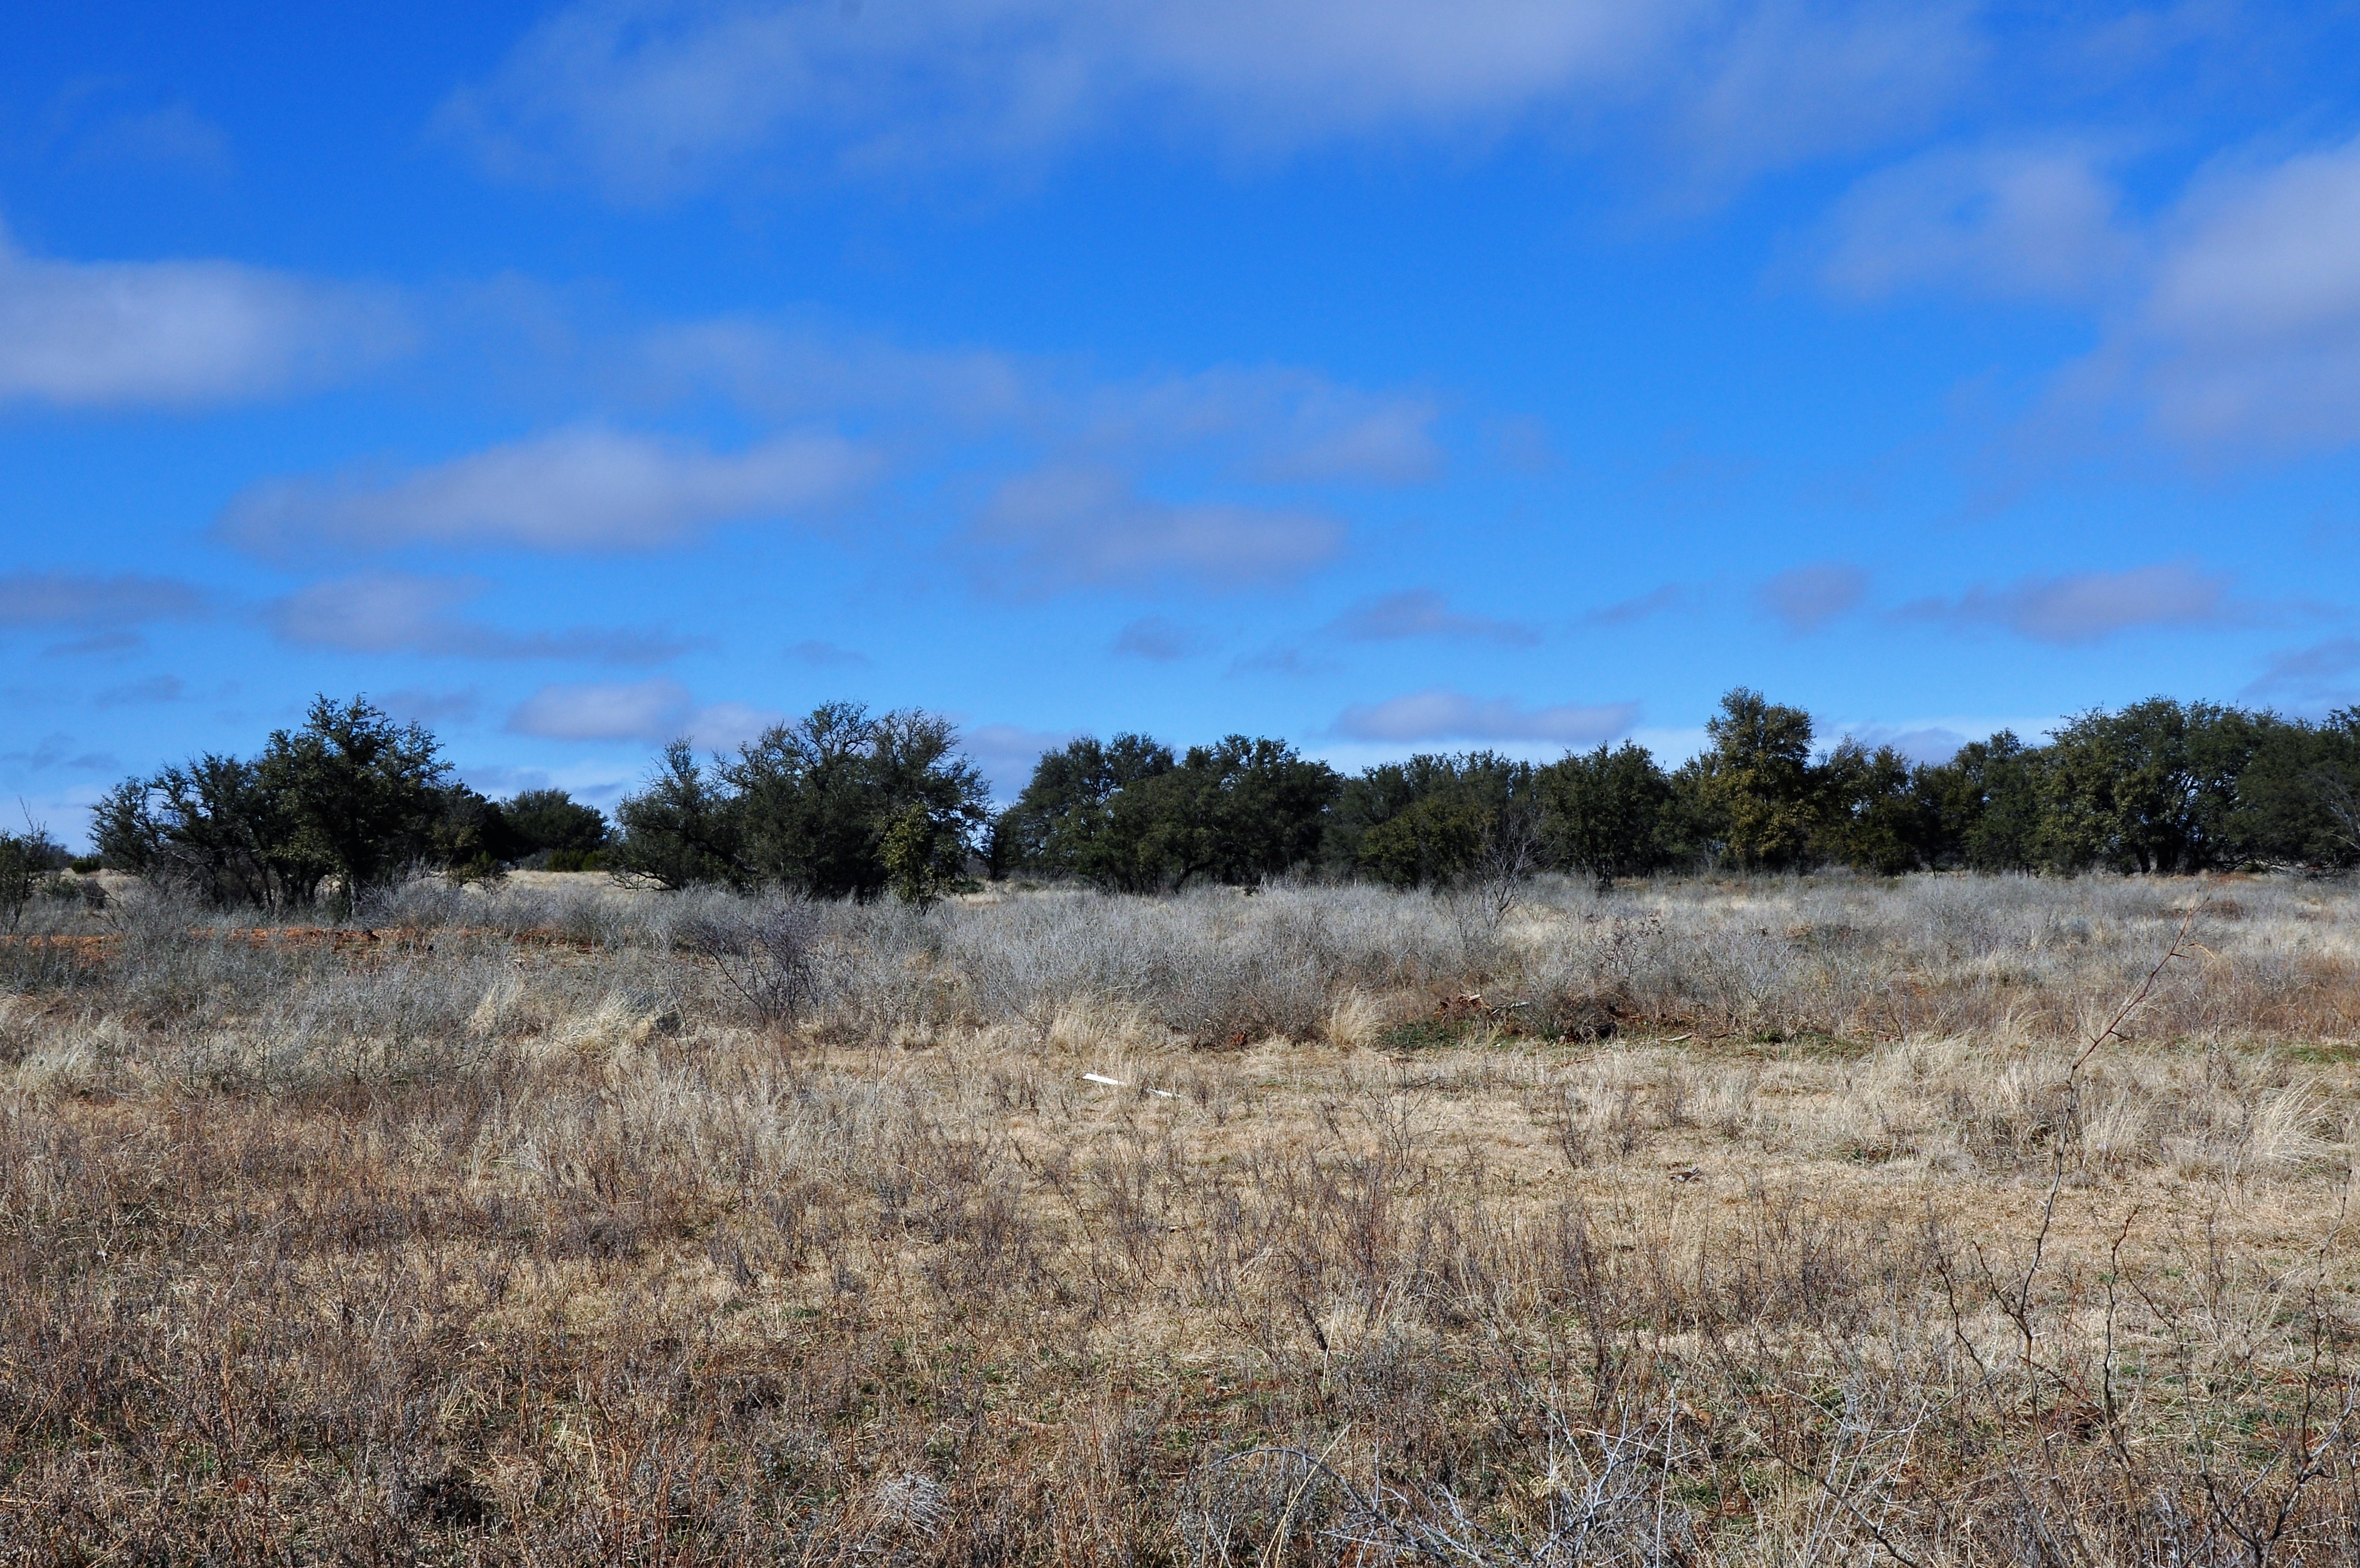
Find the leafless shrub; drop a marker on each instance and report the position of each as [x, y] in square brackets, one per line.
[768, 953]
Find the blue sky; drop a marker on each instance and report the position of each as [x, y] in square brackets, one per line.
[1387, 375]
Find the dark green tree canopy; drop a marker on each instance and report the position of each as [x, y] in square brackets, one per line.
[1606, 813]
[349, 803]
[1434, 821]
[682, 827]
[1127, 816]
[363, 794]
[1059, 826]
[1753, 797]
[550, 819]
[839, 804]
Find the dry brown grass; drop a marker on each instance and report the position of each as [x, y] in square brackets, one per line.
[453, 1246]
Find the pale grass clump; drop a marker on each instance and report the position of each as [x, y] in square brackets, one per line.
[1088, 1029]
[1354, 1019]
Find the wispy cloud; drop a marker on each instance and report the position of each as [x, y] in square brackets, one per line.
[57, 751]
[389, 612]
[1066, 528]
[422, 705]
[168, 136]
[656, 711]
[112, 122]
[651, 99]
[1808, 598]
[828, 656]
[576, 490]
[142, 694]
[1624, 612]
[94, 603]
[2043, 221]
[1919, 742]
[2229, 315]
[2088, 607]
[2323, 673]
[184, 333]
[1285, 659]
[1274, 424]
[2250, 336]
[792, 371]
[1159, 640]
[1442, 715]
[96, 645]
[1423, 612]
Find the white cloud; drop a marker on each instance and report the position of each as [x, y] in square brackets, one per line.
[574, 490]
[1440, 715]
[418, 705]
[1278, 424]
[786, 372]
[2088, 607]
[1421, 612]
[108, 335]
[656, 711]
[2019, 221]
[1807, 597]
[1767, 84]
[389, 612]
[1069, 527]
[721, 725]
[2230, 317]
[1270, 424]
[2250, 335]
[652, 99]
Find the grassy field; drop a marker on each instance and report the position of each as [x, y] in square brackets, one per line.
[1778, 1222]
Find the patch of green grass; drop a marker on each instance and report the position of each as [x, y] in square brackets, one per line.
[2325, 1053]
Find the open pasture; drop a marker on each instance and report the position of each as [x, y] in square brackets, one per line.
[1778, 1222]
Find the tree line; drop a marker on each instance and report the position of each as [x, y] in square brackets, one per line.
[2158, 786]
[844, 803]
[349, 803]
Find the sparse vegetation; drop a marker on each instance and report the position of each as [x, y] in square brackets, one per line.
[1404, 1168]
[1762, 1220]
